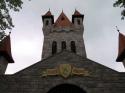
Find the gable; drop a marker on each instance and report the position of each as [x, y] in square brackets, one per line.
[66, 57]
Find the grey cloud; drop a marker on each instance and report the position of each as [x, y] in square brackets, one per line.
[101, 38]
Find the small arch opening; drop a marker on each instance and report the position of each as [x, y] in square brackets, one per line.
[63, 45]
[47, 22]
[66, 88]
[78, 21]
[54, 47]
[73, 47]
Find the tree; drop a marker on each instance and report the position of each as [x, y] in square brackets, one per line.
[2, 35]
[5, 17]
[121, 4]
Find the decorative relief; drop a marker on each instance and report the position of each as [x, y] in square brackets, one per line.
[65, 70]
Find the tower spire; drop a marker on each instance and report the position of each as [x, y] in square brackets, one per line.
[62, 10]
[117, 29]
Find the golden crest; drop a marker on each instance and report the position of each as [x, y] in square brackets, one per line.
[65, 70]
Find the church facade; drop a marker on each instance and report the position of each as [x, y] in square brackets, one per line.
[64, 67]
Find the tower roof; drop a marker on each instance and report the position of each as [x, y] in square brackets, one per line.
[77, 13]
[48, 13]
[121, 50]
[5, 49]
[63, 21]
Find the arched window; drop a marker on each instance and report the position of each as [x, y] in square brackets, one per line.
[63, 45]
[78, 21]
[54, 47]
[73, 47]
[47, 22]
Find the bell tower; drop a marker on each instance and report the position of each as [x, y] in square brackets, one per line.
[63, 34]
[77, 20]
[48, 21]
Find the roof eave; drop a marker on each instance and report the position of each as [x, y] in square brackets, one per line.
[7, 56]
[121, 57]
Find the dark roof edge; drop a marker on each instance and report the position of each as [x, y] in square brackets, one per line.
[7, 56]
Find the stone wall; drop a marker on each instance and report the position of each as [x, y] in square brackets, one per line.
[66, 35]
[37, 84]
[101, 79]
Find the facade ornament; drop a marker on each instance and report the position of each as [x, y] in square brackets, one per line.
[65, 70]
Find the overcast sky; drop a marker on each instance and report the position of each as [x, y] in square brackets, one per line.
[100, 35]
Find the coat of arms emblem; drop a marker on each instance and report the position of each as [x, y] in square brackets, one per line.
[65, 70]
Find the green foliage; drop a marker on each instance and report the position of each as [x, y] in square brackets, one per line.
[5, 17]
[121, 4]
[2, 35]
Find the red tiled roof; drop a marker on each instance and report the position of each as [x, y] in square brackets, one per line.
[5, 49]
[48, 13]
[121, 49]
[63, 21]
[121, 43]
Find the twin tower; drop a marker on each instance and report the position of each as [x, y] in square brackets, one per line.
[63, 34]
